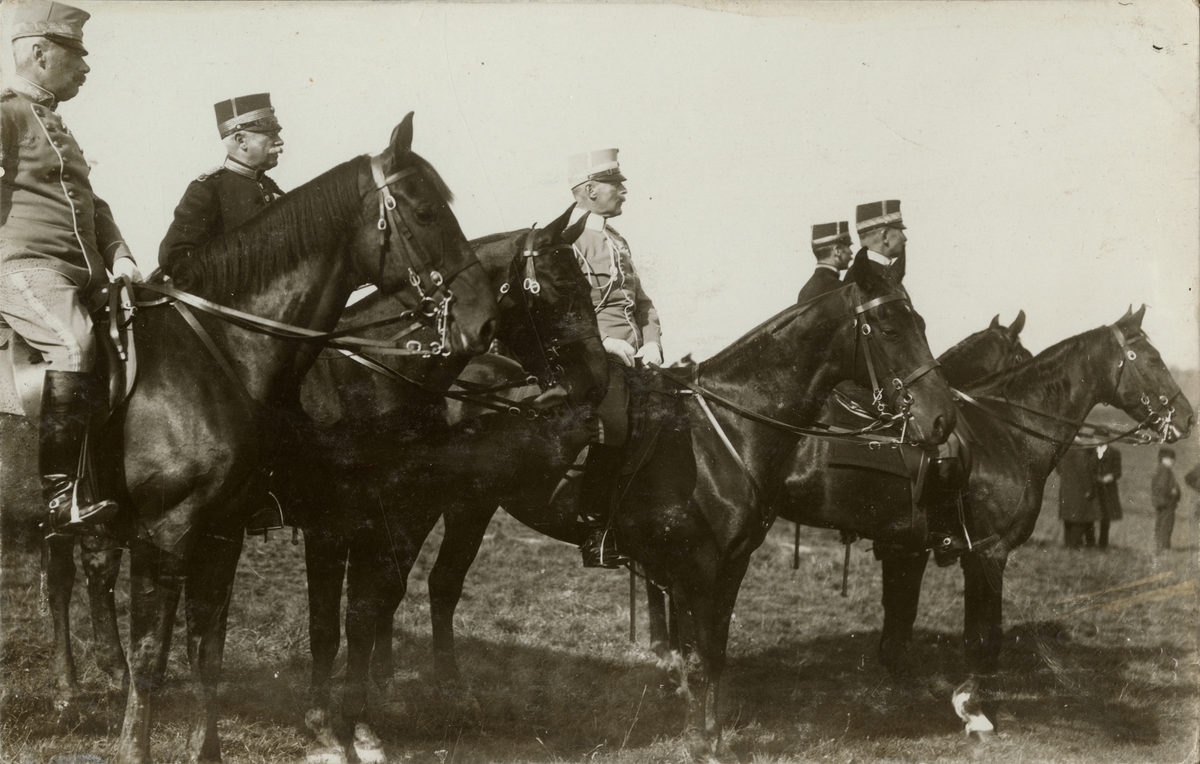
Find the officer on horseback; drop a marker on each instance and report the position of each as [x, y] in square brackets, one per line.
[224, 198]
[881, 231]
[831, 246]
[57, 238]
[629, 328]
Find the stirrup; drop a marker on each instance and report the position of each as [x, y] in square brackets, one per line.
[598, 554]
[269, 518]
[67, 516]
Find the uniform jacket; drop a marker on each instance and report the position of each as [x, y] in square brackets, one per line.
[214, 203]
[1164, 489]
[622, 308]
[1108, 493]
[49, 216]
[1077, 497]
[824, 279]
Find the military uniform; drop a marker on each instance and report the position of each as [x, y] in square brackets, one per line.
[224, 198]
[825, 278]
[875, 215]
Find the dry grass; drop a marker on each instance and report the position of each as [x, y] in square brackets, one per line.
[551, 676]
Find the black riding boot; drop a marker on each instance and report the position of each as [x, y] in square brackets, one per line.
[68, 400]
[599, 482]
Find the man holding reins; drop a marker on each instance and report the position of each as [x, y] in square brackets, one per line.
[57, 241]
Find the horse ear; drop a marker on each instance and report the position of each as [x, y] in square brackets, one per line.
[995, 322]
[896, 270]
[860, 272]
[555, 229]
[1018, 324]
[1137, 317]
[571, 234]
[401, 143]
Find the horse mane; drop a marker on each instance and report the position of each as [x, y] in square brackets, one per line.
[273, 241]
[1042, 372]
[965, 345]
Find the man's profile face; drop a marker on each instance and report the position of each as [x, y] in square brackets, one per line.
[607, 198]
[893, 240]
[842, 256]
[63, 69]
[261, 150]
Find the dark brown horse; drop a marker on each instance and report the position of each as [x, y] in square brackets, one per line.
[383, 452]
[1019, 421]
[198, 432]
[694, 511]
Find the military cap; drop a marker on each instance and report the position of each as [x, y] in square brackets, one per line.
[828, 234]
[868, 217]
[1164, 452]
[59, 22]
[250, 112]
[600, 164]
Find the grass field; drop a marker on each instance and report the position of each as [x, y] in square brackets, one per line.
[1099, 664]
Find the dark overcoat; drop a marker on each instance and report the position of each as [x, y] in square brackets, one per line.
[1108, 493]
[823, 280]
[1077, 497]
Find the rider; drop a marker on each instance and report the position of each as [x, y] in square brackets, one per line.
[629, 329]
[225, 197]
[880, 231]
[831, 246]
[56, 240]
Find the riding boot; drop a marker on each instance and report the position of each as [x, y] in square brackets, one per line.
[599, 483]
[69, 399]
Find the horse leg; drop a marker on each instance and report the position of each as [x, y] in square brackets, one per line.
[656, 613]
[155, 581]
[206, 603]
[102, 564]
[983, 633]
[902, 575]
[58, 560]
[464, 531]
[325, 566]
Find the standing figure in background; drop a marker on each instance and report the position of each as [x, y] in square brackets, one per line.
[629, 329]
[57, 242]
[1108, 472]
[1078, 504]
[1164, 496]
[831, 246]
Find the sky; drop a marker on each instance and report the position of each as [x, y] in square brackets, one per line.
[1046, 154]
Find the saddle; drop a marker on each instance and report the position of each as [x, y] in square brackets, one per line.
[22, 367]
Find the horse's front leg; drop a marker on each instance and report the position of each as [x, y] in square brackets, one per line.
[102, 565]
[464, 531]
[983, 633]
[155, 581]
[206, 598]
[656, 614]
[58, 562]
[902, 575]
[325, 553]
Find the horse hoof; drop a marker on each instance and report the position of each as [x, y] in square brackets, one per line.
[367, 745]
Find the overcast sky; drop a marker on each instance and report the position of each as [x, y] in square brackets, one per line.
[1046, 154]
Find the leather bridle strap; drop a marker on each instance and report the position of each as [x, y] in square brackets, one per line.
[863, 334]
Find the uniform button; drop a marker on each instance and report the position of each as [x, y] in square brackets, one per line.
[72, 193]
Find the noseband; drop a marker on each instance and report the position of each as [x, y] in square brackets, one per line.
[432, 287]
[1158, 416]
[862, 336]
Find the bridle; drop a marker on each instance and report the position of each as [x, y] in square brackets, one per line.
[1159, 416]
[432, 286]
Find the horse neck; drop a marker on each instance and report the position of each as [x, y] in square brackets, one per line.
[783, 369]
[1065, 381]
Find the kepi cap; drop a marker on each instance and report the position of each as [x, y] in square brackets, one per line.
[250, 112]
[828, 234]
[886, 214]
[600, 164]
[55, 21]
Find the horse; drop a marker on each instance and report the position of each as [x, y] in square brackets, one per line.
[694, 510]
[193, 440]
[547, 321]
[1020, 420]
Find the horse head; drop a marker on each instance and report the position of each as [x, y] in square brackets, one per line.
[984, 352]
[547, 318]
[891, 355]
[417, 249]
[1143, 387]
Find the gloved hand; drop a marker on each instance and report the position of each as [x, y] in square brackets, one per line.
[620, 349]
[651, 354]
[125, 266]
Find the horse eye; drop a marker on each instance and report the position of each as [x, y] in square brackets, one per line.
[427, 215]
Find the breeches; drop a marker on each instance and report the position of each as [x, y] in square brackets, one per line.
[613, 412]
[44, 307]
